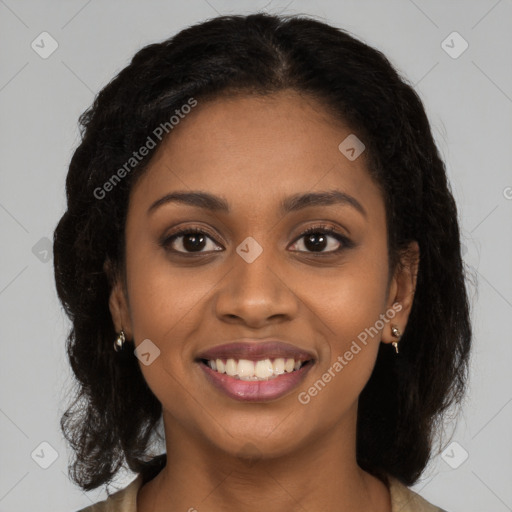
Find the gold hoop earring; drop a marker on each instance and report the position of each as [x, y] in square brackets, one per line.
[397, 334]
[119, 343]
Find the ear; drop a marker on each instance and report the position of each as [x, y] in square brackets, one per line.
[118, 302]
[401, 290]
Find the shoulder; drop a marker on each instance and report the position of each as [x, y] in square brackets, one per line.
[405, 499]
[124, 500]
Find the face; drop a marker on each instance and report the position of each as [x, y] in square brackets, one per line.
[247, 274]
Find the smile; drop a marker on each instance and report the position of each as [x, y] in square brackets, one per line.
[248, 387]
[255, 370]
[260, 370]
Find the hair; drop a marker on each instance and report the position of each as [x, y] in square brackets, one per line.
[113, 413]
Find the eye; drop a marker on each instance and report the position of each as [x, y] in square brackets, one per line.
[190, 240]
[195, 240]
[317, 239]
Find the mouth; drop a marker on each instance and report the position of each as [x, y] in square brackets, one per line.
[255, 371]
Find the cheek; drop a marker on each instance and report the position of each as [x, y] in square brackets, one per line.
[348, 304]
[166, 307]
[349, 299]
[165, 299]
[348, 313]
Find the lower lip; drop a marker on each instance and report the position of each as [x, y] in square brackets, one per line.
[256, 391]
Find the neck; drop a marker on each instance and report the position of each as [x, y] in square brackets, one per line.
[321, 475]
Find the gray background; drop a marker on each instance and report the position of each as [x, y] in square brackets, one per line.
[469, 103]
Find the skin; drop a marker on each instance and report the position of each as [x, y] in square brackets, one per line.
[254, 152]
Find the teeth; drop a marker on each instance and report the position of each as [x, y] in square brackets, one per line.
[278, 366]
[263, 369]
[231, 367]
[245, 369]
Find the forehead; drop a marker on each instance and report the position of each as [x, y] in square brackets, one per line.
[258, 149]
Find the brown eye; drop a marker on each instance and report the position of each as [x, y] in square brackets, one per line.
[189, 241]
[319, 238]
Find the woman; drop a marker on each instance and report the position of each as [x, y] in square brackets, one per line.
[261, 250]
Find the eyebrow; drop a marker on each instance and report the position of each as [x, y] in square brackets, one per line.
[290, 204]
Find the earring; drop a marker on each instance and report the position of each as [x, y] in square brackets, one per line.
[118, 344]
[396, 333]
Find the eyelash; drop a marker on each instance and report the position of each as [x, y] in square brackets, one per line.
[321, 228]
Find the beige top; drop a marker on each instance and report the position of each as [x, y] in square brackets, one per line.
[403, 499]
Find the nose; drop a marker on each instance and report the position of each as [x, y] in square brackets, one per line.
[256, 293]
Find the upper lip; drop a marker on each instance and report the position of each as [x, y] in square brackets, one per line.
[256, 350]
